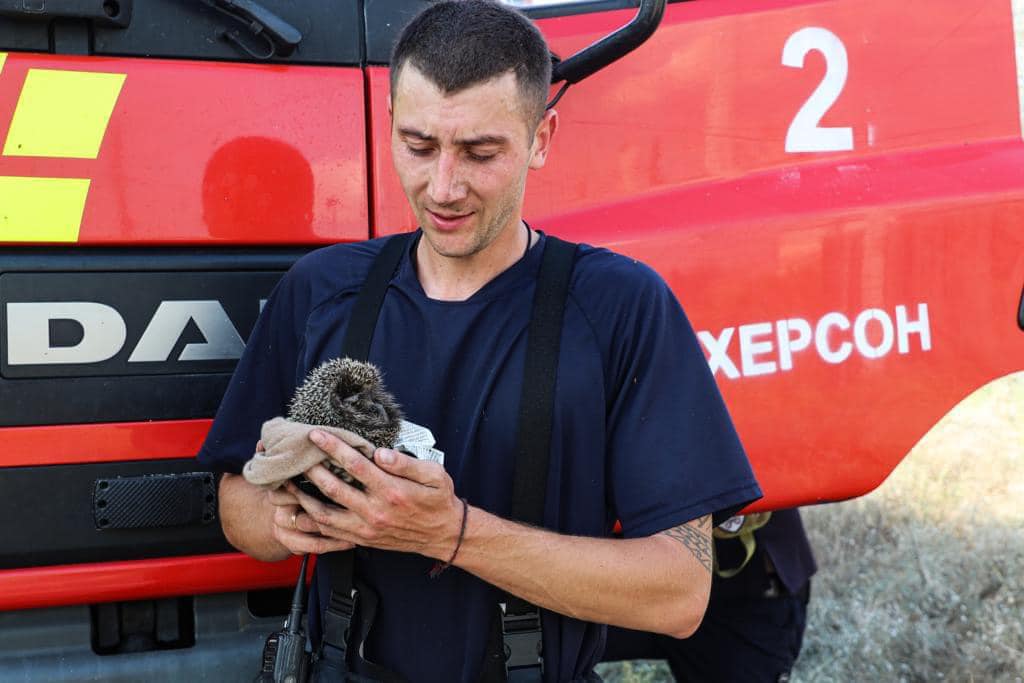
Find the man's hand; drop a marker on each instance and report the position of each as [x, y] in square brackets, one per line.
[294, 529]
[408, 505]
[268, 525]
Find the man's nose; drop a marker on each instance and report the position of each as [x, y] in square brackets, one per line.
[446, 183]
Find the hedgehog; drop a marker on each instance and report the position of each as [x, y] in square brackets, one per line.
[349, 394]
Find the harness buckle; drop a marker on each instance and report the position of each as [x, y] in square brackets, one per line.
[337, 624]
[522, 639]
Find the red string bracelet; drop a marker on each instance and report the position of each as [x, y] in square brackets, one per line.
[441, 566]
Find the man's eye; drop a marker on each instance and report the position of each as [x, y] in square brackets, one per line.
[419, 151]
[481, 157]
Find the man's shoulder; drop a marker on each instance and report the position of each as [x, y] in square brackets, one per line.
[337, 268]
[606, 279]
[604, 264]
[346, 261]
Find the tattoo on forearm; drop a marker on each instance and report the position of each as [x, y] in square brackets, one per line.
[695, 536]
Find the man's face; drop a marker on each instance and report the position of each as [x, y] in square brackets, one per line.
[462, 158]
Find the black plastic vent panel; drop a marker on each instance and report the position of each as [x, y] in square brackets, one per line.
[154, 501]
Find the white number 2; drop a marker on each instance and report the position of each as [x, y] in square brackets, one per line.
[804, 134]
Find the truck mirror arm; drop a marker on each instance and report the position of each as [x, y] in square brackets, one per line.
[281, 37]
[612, 47]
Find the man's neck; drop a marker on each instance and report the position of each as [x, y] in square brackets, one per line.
[447, 278]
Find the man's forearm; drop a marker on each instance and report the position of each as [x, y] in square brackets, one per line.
[660, 583]
[247, 519]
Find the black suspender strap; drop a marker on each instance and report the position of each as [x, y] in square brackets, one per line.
[366, 310]
[519, 644]
[537, 401]
[332, 658]
[514, 648]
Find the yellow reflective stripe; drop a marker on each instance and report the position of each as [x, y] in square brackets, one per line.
[62, 114]
[3, 58]
[41, 209]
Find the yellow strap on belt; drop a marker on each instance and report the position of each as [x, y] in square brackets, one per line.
[745, 534]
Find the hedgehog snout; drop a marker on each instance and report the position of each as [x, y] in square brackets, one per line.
[382, 414]
[363, 403]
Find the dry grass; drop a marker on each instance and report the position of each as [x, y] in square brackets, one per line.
[638, 671]
[923, 579]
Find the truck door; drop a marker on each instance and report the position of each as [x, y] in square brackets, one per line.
[161, 164]
[832, 190]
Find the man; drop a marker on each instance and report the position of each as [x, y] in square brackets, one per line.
[639, 432]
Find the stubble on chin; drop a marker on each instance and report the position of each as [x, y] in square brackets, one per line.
[457, 249]
[474, 240]
[460, 245]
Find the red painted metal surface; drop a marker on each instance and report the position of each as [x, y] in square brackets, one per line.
[109, 442]
[829, 431]
[707, 97]
[208, 153]
[144, 579]
[677, 155]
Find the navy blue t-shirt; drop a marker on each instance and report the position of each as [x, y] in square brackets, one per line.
[640, 432]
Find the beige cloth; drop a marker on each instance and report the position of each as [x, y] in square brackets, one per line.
[289, 452]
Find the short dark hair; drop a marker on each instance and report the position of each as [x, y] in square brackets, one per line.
[459, 44]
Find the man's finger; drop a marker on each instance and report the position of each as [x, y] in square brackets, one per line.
[402, 465]
[287, 517]
[297, 531]
[281, 496]
[354, 462]
[342, 494]
[335, 522]
[301, 543]
[304, 523]
[331, 515]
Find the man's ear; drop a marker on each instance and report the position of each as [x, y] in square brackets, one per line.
[542, 139]
[391, 113]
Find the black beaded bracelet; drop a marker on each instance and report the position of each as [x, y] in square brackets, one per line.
[441, 566]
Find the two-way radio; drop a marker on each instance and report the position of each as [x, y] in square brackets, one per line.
[285, 659]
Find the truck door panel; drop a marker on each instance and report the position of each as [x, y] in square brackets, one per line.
[698, 182]
[832, 190]
[187, 153]
[134, 188]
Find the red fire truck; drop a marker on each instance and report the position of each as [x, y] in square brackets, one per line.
[833, 188]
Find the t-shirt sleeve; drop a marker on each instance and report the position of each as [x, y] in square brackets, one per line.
[263, 382]
[673, 452]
